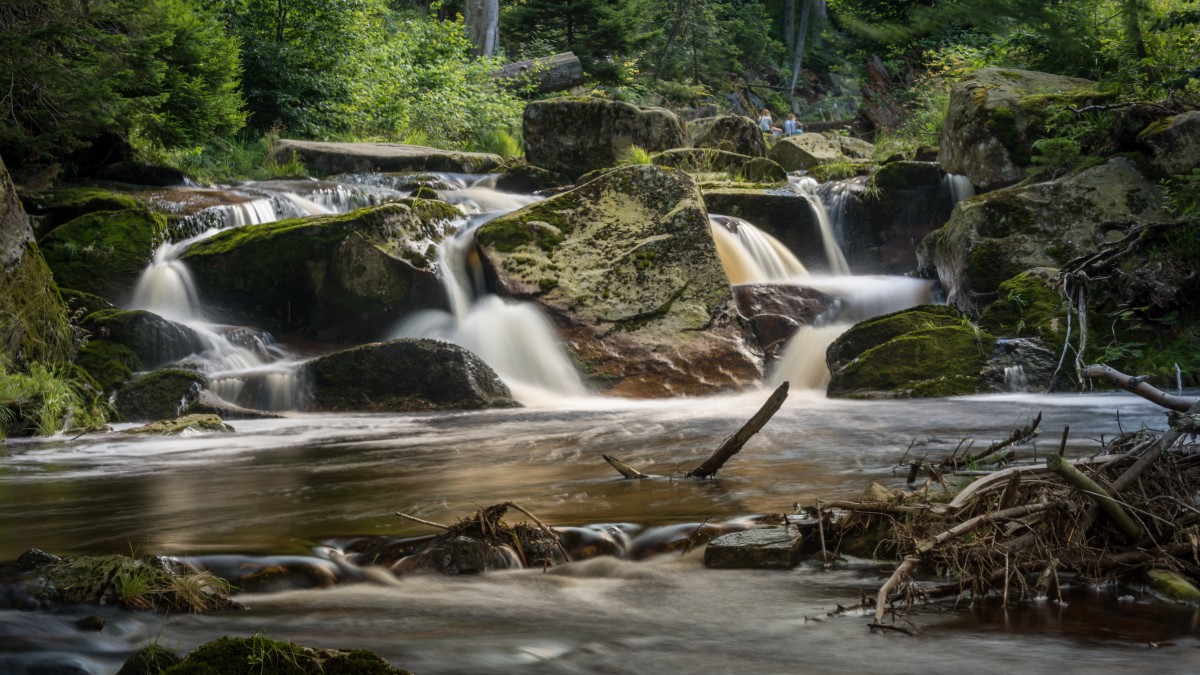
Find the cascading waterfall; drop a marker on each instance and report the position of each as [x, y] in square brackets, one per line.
[1016, 379]
[512, 337]
[750, 255]
[958, 187]
[807, 188]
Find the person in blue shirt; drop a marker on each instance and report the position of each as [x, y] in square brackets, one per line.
[791, 127]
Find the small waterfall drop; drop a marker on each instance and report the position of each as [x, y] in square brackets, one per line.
[512, 337]
[808, 188]
[1016, 379]
[750, 255]
[959, 187]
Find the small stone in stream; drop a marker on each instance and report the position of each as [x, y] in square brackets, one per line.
[90, 623]
[149, 660]
[765, 548]
[35, 558]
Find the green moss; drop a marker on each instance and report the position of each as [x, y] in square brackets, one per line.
[104, 252]
[543, 225]
[33, 320]
[907, 175]
[109, 363]
[161, 394]
[56, 207]
[82, 304]
[1002, 124]
[989, 266]
[260, 655]
[1028, 307]
[149, 660]
[939, 361]
[879, 330]
[1005, 214]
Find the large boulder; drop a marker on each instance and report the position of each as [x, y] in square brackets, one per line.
[324, 159]
[781, 213]
[161, 394]
[803, 152]
[404, 375]
[155, 340]
[51, 208]
[626, 267]
[996, 115]
[340, 277]
[575, 136]
[33, 321]
[1174, 143]
[918, 352]
[104, 252]
[732, 133]
[700, 159]
[995, 236]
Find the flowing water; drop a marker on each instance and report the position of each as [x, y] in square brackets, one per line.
[291, 490]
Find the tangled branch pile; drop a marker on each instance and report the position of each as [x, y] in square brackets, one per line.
[1127, 513]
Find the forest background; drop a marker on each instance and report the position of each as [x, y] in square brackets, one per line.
[205, 86]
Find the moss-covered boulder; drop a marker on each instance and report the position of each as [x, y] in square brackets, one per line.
[51, 208]
[158, 395]
[149, 660]
[1028, 305]
[781, 213]
[120, 580]
[1174, 143]
[155, 340]
[855, 148]
[700, 159]
[926, 362]
[33, 321]
[732, 133]
[179, 425]
[109, 363]
[324, 159]
[574, 136]
[761, 170]
[104, 252]
[881, 329]
[342, 278]
[402, 376]
[803, 152]
[260, 655]
[626, 267]
[996, 115]
[81, 304]
[993, 237]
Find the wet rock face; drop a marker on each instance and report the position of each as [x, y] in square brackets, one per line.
[343, 278]
[732, 133]
[996, 115]
[1174, 143]
[33, 322]
[626, 268]
[403, 376]
[995, 236]
[575, 136]
[783, 214]
[925, 351]
[162, 394]
[777, 311]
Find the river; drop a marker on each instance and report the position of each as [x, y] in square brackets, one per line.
[298, 485]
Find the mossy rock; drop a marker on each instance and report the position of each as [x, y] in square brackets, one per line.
[573, 136]
[995, 236]
[762, 170]
[626, 266]
[321, 158]
[731, 133]
[260, 655]
[111, 364]
[1028, 306]
[179, 425]
[805, 151]
[158, 395]
[343, 277]
[927, 362]
[995, 116]
[879, 330]
[155, 340]
[104, 252]
[1174, 143]
[405, 375]
[700, 159]
[82, 304]
[520, 176]
[33, 320]
[61, 205]
[149, 660]
[906, 175]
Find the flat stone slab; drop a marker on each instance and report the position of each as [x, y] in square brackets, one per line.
[766, 548]
[322, 158]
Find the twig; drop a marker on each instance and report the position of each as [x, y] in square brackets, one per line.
[423, 522]
[881, 598]
[1136, 385]
[1098, 494]
[547, 530]
[989, 517]
[734, 443]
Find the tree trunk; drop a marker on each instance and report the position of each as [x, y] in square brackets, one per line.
[789, 23]
[1133, 27]
[482, 18]
[551, 73]
[662, 61]
[801, 39]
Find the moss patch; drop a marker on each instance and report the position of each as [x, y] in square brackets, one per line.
[105, 252]
[109, 363]
[260, 655]
[1027, 307]
[59, 206]
[161, 394]
[881, 329]
[930, 362]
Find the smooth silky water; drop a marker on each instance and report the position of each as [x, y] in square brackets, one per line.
[294, 489]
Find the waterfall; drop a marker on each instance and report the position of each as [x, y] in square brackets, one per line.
[750, 255]
[958, 187]
[512, 337]
[807, 188]
[1016, 379]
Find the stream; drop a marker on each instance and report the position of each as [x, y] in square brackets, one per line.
[293, 488]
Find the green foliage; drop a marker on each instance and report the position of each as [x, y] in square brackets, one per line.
[635, 154]
[101, 71]
[45, 401]
[225, 159]
[1182, 194]
[1056, 154]
[601, 34]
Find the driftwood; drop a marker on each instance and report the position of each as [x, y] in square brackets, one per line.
[549, 73]
[734, 443]
[1097, 494]
[1139, 386]
[992, 454]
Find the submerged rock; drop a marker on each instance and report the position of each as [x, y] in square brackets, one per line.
[33, 322]
[995, 116]
[919, 352]
[732, 133]
[158, 395]
[762, 548]
[325, 159]
[995, 236]
[403, 376]
[574, 136]
[178, 425]
[260, 655]
[343, 278]
[626, 268]
[104, 252]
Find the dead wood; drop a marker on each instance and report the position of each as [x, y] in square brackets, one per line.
[624, 469]
[422, 521]
[549, 73]
[1097, 494]
[990, 454]
[1138, 386]
[897, 576]
[734, 443]
[977, 521]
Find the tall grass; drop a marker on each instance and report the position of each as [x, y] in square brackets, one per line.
[225, 159]
[45, 401]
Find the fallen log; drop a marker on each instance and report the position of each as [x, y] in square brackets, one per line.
[734, 443]
[1138, 386]
[549, 73]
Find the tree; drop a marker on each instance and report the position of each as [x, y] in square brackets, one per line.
[482, 18]
[599, 32]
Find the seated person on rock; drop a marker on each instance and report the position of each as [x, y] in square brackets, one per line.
[791, 126]
[767, 124]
